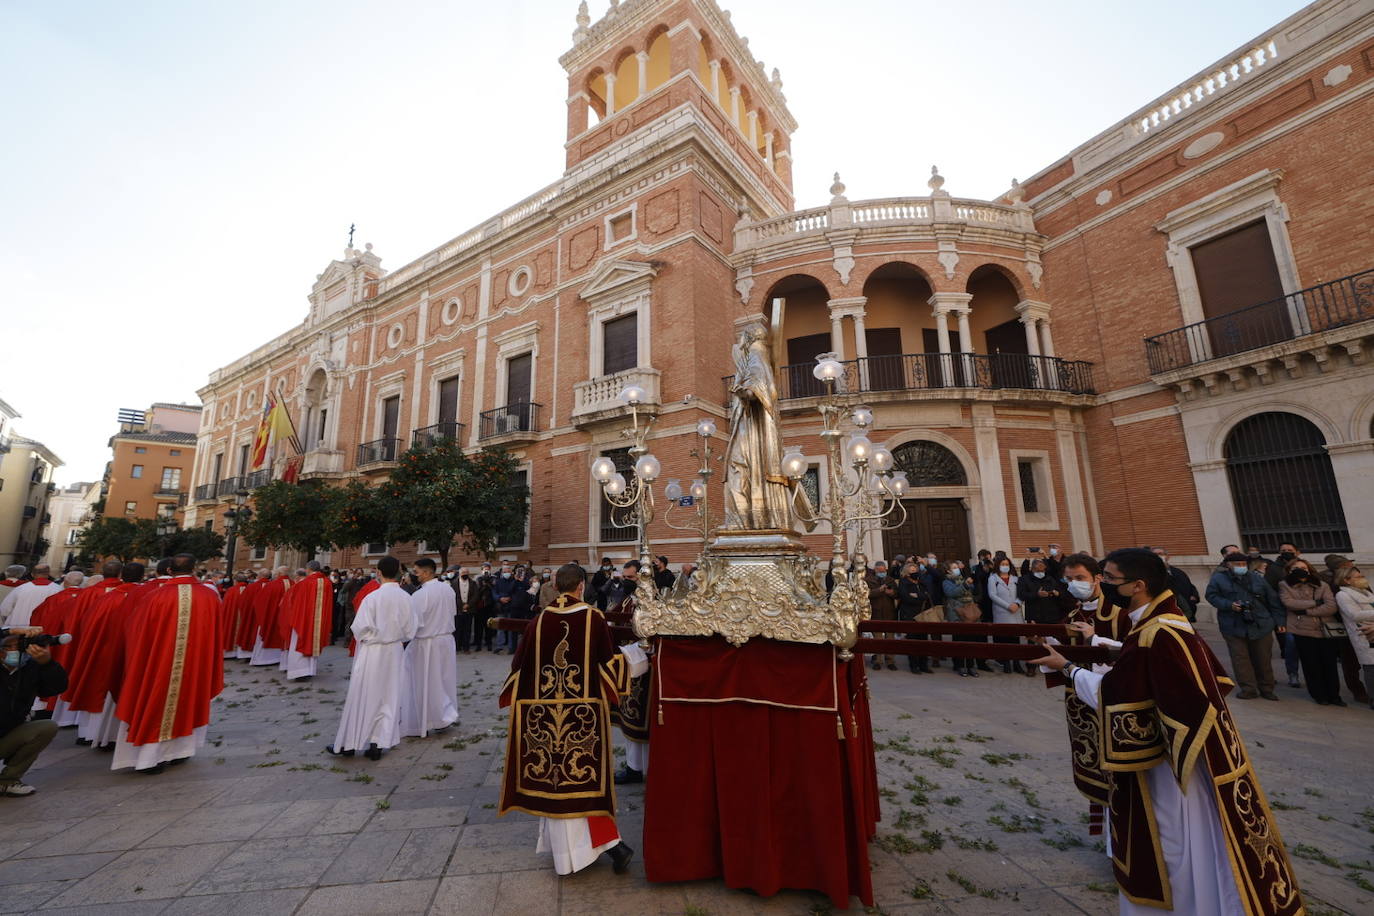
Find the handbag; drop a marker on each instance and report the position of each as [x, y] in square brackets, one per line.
[969, 612]
[1334, 630]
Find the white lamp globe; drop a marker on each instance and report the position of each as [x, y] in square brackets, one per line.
[898, 484]
[827, 369]
[647, 468]
[633, 394]
[698, 490]
[616, 485]
[706, 429]
[794, 462]
[862, 416]
[602, 469]
[673, 491]
[859, 448]
[882, 459]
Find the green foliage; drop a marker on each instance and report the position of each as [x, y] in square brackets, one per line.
[356, 516]
[291, 515]
[439, 493]
[119, 537]
[201, 543]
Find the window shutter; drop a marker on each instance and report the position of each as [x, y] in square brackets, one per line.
[620, 344]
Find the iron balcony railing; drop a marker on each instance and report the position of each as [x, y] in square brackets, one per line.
[928, 371]
[513, 418]
[1318, 308]
[259, 478]
[205, 491]
[378, 451]
[230, 485]
[428, 437]
[167, 492]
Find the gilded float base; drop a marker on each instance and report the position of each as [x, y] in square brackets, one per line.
[757, 583]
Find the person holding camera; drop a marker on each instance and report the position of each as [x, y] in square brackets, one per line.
[27, 672]
[1248, 609]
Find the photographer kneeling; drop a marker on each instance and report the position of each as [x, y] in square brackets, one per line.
[27, 671]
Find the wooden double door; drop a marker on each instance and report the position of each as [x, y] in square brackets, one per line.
[938, 526]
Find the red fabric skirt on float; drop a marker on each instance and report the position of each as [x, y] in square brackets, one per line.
[763, 772]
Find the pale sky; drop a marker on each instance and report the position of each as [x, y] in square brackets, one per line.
[173, 175]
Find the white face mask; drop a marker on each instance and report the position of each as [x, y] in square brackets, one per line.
[1054, 551]
[1240, 570]
[1038, 575]
[1081, 590]
[1004, 569]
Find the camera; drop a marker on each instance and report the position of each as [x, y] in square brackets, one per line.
[46, 640]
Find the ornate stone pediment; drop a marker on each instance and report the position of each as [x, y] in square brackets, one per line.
[616, 277]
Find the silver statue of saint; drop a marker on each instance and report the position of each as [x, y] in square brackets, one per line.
[758, 496]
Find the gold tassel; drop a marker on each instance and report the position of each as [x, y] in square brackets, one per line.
[660, 713]
[839, 727]
[853, 726]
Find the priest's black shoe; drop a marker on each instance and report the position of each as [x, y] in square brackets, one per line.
[620, 857]
[373, 752]
[153, 770]
[627, 774]
[338, 753]
[83, 742]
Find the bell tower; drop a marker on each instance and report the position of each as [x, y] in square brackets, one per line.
[649, 71]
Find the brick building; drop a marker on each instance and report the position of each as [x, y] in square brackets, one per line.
[154, 452]
[1001, 344]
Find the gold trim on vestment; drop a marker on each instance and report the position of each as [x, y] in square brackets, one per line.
[169, 709]
[319, 608]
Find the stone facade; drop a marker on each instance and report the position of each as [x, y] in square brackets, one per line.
[999, 343]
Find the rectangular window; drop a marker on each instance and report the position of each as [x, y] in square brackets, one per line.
[244, 451]
[1236, 271]
[1025, 469]
[218, 468]
[391, 417]
[374, 549]
[620, 344]
[519, 372]
[259, 554]
[165, 510]
[175, 453]
[171, 479]
[140, 450]
[448, 405]
[320, 428]
[136, 471]
[516, 536]
[131, 507]
[613, 517]
[620, 227]
[811, 485]
[210, 524]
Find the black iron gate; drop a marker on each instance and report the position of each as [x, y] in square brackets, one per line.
[1283, 485]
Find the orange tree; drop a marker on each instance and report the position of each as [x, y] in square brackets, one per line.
[439, 493]
[293, 515]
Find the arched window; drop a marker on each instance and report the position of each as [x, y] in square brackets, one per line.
[929, 464]
[1283, 486]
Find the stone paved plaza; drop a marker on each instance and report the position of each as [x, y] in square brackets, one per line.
[979, 814]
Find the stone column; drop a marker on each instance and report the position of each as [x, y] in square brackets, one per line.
[852, 307]
[642, 58]
[1046, 341]
[715, 81]
[942, 304]
[996, 533]
[734, 106]
[1064, 429]
[768, 148]
[1353, 465]
[965, 346]
[610, 94]
[837, 336]
[753, 119]
[1031, 312]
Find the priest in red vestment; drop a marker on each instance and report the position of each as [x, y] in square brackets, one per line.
[173, 668]
[55, 616]
[1191, 830]
[97, 656]
[247, 635]
[231, 609]
[308, 614]
[267, 646]
[558, 753]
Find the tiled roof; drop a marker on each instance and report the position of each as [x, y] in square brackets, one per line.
[174, 438]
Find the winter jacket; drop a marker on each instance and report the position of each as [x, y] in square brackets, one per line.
[1308, 606]
[1263, 614]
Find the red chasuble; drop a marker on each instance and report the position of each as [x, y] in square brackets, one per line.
[231, 607]
[1163, 704]
[55, 615]
[248, 621]
[370, 586]
[308, 611]
[267, 611]
[174, 665]
[558, 753]
[97, 657]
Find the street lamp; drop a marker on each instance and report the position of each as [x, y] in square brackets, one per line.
[637, 496]
[233, 519]
[166, 527]
[697, 489]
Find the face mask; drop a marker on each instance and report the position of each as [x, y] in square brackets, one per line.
[1004, 569]
[464, 577]
[1239, 570]
[1254, 554]
[544, 577]
[1287, 555]
[1038, 575]
[504, 574]
[1297, 575]
[880, 574]
[1081, 590]
[12, 658]
[1054, 551]
[930, 561]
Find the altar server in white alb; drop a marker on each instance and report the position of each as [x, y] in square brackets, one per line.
[18, 606]
[431, 699]
[371, 719]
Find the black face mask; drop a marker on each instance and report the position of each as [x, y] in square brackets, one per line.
[1297, 576]
[1287, 555]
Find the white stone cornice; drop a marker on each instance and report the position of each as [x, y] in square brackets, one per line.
[948, 302]
[848, 307]
[1031, 309]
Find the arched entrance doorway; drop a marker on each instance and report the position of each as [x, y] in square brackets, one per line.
[933, 525]
[1282, 484]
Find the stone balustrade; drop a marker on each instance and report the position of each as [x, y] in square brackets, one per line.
[884, 212]
[599, 398]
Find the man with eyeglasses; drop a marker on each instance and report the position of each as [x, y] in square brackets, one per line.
[1190, 826]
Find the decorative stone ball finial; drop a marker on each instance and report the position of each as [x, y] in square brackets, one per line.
[584, 19]
[777, 79]
[1017, 193]
[937, 181]
[368, 246]
[837, 189]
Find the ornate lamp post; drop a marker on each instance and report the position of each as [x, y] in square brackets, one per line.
[233, 519]
[699, 489]
[636, 498]
[860, 475]
[166, 527]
